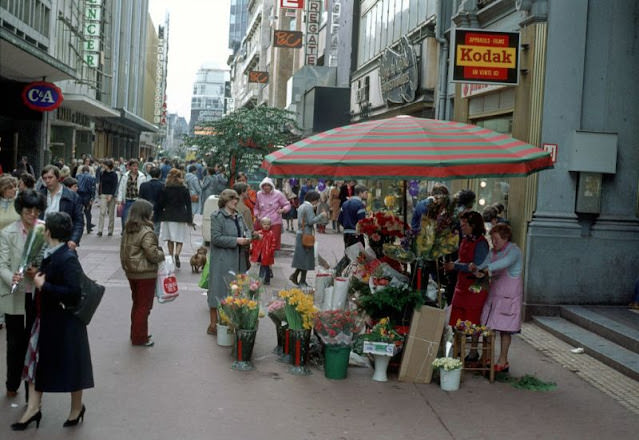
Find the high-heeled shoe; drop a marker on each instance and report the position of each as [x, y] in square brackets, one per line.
[21, 426]
[77, 420]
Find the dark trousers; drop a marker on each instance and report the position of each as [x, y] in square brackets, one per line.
[351, 239]
[86, 202]
[265, 273]
[17, 341]
[142, 293]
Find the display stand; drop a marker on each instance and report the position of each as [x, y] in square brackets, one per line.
[486, 363]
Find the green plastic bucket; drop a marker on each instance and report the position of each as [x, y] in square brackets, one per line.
[336, 361]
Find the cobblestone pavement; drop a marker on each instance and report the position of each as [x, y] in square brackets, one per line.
[618, 386]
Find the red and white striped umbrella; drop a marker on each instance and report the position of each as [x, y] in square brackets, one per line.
[405, 147]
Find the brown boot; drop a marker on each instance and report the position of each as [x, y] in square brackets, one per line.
[212, 329]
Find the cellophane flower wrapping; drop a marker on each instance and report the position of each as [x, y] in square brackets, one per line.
[32, 252]
[275, 311]
[241, 313]
[337, 327]
[246, 286]
[299, 309]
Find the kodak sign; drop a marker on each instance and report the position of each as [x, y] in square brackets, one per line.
[486, 57]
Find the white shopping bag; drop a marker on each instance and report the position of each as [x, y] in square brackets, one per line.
[166, 287]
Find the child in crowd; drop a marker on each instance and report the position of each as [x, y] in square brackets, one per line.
[263, 250]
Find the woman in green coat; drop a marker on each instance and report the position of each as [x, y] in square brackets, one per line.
[230, 240]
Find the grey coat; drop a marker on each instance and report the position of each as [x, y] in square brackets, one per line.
[304, 258]
[207, 190]
[226, 255]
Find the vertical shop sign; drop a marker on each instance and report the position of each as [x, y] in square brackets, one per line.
[333, 42]
[313, 18]
[160, 78]
[92, 22]
[486, 57]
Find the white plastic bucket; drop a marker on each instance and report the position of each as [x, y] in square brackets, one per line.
[449, 380]
[225, 336]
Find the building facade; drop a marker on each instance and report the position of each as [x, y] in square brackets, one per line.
[96, 52]
[208, 99]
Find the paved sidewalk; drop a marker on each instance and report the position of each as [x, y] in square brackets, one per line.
[183, 387]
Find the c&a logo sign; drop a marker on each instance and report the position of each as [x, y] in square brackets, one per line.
[42, 96]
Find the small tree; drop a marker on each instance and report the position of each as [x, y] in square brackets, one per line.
[245, 136]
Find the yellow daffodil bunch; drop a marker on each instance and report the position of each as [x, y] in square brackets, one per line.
[241, 313]
[299, 309]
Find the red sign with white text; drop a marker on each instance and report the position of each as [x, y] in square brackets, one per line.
[293, 4]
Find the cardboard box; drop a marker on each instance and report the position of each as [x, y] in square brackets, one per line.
[380, 348]
[422, 344]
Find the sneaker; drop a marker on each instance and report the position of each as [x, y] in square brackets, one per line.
[146, 344]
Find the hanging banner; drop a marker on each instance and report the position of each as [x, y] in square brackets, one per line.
[256, 76]
[289, 39]
[42, 96]
[486, 57]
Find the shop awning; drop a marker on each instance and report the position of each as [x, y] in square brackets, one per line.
[89, 106]
[21, 61]
[134, 121]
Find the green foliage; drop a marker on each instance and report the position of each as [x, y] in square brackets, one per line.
[396, 302]
[242, 138]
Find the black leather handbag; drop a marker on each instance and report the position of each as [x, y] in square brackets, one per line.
[92, 293]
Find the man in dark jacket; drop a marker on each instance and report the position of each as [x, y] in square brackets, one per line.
[86, 191]
[62, 199]
[353, 210]
[150, 190]
[107, 190]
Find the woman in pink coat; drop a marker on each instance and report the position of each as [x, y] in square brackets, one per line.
[502, 309]
[271, 203]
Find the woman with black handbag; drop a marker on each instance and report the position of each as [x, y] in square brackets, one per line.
[175, 213]
[58, 356]
[304, 255]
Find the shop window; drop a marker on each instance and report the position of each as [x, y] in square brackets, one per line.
[494, 190]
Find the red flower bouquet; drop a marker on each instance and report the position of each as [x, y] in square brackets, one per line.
[337, 327]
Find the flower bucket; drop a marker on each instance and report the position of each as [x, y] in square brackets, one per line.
[299, 347]
[244, 342]
[285, 356]
[280, 331]
[336, 361]
[449, 379]
[225, 335]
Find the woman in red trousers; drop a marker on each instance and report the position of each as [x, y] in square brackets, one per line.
[140, 255]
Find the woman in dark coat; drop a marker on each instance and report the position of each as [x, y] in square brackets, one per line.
[59, 340]
[304, 257]
[230, 240]
[174, 206]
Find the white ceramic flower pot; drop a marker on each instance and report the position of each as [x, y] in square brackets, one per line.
[381, 365]
[449, 379]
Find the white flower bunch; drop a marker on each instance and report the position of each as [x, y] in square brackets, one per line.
[447, 363]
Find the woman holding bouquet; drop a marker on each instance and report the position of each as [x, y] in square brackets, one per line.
[29, 204]
[58, 357]
[304, 257]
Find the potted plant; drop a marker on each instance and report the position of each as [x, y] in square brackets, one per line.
[300, 314]
[395, 301]
[336, 329]
[449, 372]
[382, 342]
[242, 314]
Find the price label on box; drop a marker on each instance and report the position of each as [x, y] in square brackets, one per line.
[380, 348]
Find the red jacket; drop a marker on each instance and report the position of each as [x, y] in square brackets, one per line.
[264, 248]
